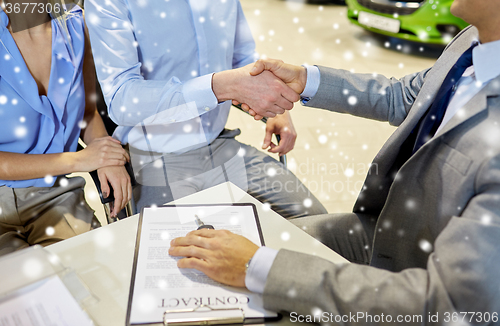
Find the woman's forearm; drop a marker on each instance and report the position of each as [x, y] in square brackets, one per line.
[15, 166]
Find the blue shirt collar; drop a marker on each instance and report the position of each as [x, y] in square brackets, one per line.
[4, 21]
[60, 49]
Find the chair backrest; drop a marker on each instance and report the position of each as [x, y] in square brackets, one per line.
[103, 110]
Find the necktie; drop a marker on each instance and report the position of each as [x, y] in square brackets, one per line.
[432, 119]
[429, 123]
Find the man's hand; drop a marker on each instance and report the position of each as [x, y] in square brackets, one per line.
[265, 94]
[119, 179]
[294, 76]
[220, 254]
[280, 125]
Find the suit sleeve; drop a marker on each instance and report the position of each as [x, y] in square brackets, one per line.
[461, 273]
[367, 95]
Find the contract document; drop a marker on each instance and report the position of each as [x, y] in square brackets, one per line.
[45, 303]
[159, 286]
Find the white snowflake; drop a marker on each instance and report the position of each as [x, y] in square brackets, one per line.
[486, 219]
[292, 293]
[271, 172]
[425, 245]
[316, 311]
[348, 172]
[82, 124]
[104, 238]
[307, 202]
[50, 231]
[158, 164]
[32, 268]
[348, 55]
[64, 182]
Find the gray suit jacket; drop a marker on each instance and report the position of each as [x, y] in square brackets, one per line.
[437, 244]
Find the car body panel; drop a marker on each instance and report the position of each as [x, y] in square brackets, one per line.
[420, 25]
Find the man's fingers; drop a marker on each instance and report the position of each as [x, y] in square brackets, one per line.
[270, 114]
[246, 108]
[258, 67]
[257, 116]
[193, 263]
[283, 105]
[281, 148]
[290, 95]
[189, 251]
[267, 138]
[190, 240]
[104, 184]
[267, 64]
[125, 193]
[129, 191]
[117, 191]
[272, 148]
[207, 233]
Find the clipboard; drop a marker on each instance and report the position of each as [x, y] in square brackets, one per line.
[202, 313]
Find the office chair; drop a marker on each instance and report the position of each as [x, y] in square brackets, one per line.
[110, 126]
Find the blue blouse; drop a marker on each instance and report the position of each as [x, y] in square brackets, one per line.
[34, 124]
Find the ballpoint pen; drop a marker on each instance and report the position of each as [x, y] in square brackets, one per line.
[202, 225]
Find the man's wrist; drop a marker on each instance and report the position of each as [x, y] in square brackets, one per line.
[258, 269]
[312, 82]
[221, 85]
[247, 265]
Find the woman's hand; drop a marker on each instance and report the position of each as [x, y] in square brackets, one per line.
[101, 152]
[119, 179]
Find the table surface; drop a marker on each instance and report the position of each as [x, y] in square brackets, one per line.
[103, 257]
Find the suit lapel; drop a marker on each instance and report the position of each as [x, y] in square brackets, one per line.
[427, 94]
[475, 106]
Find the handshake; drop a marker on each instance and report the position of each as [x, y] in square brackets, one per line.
[265, 88]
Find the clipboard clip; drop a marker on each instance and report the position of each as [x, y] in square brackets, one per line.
[207, 316]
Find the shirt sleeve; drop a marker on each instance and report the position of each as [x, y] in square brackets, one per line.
[259, 268]
[125, 90]
[312, 83]
[244, 44]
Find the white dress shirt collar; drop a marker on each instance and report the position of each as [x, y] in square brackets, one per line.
[486, 61]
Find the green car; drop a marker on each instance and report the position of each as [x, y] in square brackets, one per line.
[425, 21]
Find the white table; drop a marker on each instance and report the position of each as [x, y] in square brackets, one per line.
[103, 257]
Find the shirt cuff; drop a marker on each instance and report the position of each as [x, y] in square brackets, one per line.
[199, 90]
[259, 268]
[312, 83]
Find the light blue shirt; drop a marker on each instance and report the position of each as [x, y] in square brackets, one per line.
[155, 61]
[34, 124]
[485, 68]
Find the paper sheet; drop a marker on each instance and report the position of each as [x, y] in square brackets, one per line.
[159, 285]
[45, 303]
